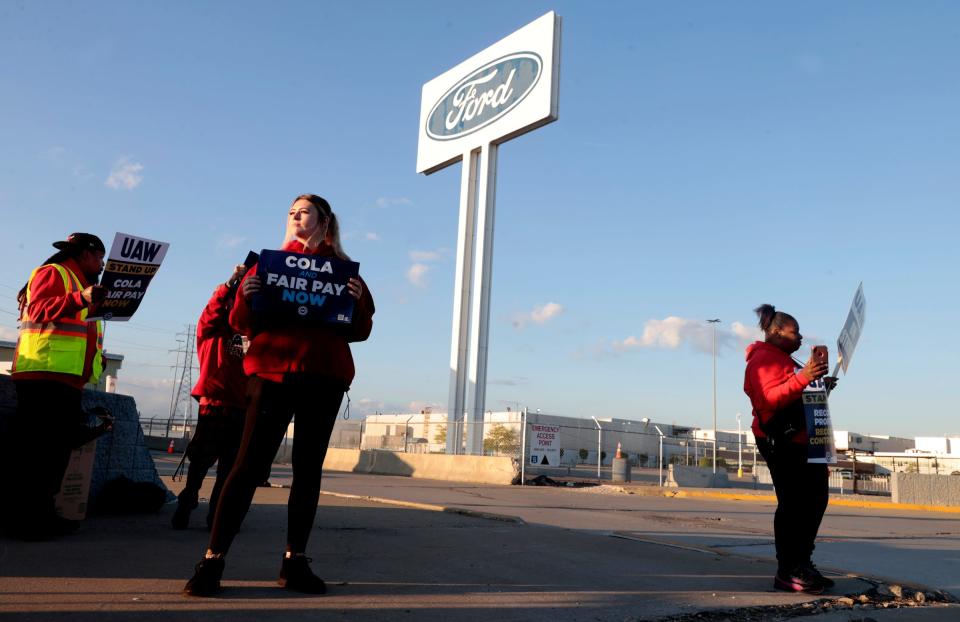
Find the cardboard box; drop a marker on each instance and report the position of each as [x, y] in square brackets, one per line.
[74, 493]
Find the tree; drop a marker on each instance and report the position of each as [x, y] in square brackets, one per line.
[501, 439]
[441, 435]
[707, 461]
[584, 453]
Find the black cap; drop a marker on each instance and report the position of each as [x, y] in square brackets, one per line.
[83, 241]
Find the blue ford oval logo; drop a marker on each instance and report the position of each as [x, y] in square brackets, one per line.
[484, 96]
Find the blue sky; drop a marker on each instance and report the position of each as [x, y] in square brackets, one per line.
[709, 157]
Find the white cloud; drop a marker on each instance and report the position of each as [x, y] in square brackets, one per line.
[417, 274]
[371, 236]
[540, 315]
[509, 382]
[746, 334]
[673, 332]
[229, 240]
[392, 201]
[8, 334]
[126, 174]
[425, 255]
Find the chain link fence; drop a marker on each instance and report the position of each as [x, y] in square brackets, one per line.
[587, 447]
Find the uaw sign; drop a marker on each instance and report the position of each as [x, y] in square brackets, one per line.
[130, 267]
[510, 88]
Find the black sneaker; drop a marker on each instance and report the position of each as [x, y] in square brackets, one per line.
[181, 516]
[800, 579]
[295, 574]
[827, 583]
[206, 577]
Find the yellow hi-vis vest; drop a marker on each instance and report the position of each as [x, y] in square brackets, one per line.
[59, 346]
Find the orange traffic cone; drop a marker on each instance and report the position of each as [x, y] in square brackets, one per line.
[619, 455]
[170, 447]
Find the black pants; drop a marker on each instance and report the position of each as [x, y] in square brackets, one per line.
[217, 439]
[49, 423]
[802, 496]
[315, 401]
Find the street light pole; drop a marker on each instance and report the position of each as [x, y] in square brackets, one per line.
[714, 322]
[660, 460]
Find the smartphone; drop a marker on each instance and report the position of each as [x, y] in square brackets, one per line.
[251, 260]
[819, 354]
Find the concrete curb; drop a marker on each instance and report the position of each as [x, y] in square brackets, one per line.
[429, 507]
[764, 498]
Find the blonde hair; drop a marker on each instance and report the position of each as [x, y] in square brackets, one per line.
[329, 233]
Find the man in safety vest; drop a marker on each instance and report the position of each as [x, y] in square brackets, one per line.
[58, 352]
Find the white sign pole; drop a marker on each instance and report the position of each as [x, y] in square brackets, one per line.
[461, 303]
[480, 308]
[508, 89]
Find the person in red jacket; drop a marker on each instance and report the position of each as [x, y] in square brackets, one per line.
[774, 382]
[221, 391]
[58, 352]
[294, 369]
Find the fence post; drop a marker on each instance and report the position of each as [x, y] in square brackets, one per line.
[854, 452]
[599, 446]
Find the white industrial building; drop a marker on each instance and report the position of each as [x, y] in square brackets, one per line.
[942, 445]
[108, 380]
[871, 443]
[579, 438]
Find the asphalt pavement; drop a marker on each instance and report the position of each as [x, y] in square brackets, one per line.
[398, 548]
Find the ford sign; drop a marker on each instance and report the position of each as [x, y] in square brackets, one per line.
[484, 96]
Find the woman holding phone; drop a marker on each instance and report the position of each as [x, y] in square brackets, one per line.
[774, 382]
[294, 369]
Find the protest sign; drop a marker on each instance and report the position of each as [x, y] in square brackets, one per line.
[852, 328]
[71, 501]
[545, 445]
[820, 447]
[305, 287]
[132, 263]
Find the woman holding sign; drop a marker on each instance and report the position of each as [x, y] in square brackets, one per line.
[296, 369]
[774, 383]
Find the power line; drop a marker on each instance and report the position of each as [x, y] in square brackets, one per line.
[181, 391]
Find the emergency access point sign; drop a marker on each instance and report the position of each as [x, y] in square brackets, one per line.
[545, 445]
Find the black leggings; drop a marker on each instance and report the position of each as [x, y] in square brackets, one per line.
[216, 440]
[802, 496]
[271, 406]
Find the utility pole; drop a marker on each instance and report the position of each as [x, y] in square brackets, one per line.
[181, 391]
[714, 322]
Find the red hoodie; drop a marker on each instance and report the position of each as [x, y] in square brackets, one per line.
[220, 350]
[773, 384]
[318, 349]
